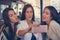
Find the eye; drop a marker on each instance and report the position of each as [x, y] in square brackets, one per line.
[47, 13]
[10, 15]
[27, 11]
[31, 11]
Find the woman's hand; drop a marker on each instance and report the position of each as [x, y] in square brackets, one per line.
[23, 32]
[30, 27]
[35, 24]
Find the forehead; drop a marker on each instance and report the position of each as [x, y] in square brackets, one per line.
[29, 8]
[10, 12]
[46, 9]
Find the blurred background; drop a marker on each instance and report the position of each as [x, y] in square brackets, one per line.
[38, 6]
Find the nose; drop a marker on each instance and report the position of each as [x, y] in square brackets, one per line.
[29, 14]
[43, 14]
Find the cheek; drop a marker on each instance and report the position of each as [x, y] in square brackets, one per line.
[11, 19]
[43, 17]
[27, 15]
[48, 17]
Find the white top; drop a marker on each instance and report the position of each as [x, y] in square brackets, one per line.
[54, 30]
[23, 25]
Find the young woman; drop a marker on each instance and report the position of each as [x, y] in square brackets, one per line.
[10, 23]
[51, 17]
[24, 28]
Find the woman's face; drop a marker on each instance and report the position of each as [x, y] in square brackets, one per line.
[12, 16]
[29, 13]
[46, 16]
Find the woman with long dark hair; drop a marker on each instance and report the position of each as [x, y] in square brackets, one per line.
[27, 19]
[52, 19]
[10, 22]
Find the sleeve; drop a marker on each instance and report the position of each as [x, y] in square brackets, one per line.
[54, 31]
[18, 28]
[21, 26]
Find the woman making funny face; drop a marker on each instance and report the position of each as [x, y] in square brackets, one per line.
[10, 20]
[50, 16]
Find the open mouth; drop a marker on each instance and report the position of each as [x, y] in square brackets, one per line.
[43, 18]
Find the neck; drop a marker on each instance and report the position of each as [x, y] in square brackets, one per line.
[29, 21]
[48, 22]
[12, 24]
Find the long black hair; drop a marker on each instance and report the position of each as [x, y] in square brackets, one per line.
[54, 13]
[8, 24]
[24, 10]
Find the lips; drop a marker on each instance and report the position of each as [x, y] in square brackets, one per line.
[29, 17]
[43, 18]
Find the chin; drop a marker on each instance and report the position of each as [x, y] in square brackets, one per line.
[15, 21]
[30, 19]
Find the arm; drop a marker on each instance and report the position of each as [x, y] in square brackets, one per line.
[22, 32]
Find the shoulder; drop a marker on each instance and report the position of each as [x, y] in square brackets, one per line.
[3, 27]
[54, 25]
[7, 29]
[22, 22]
